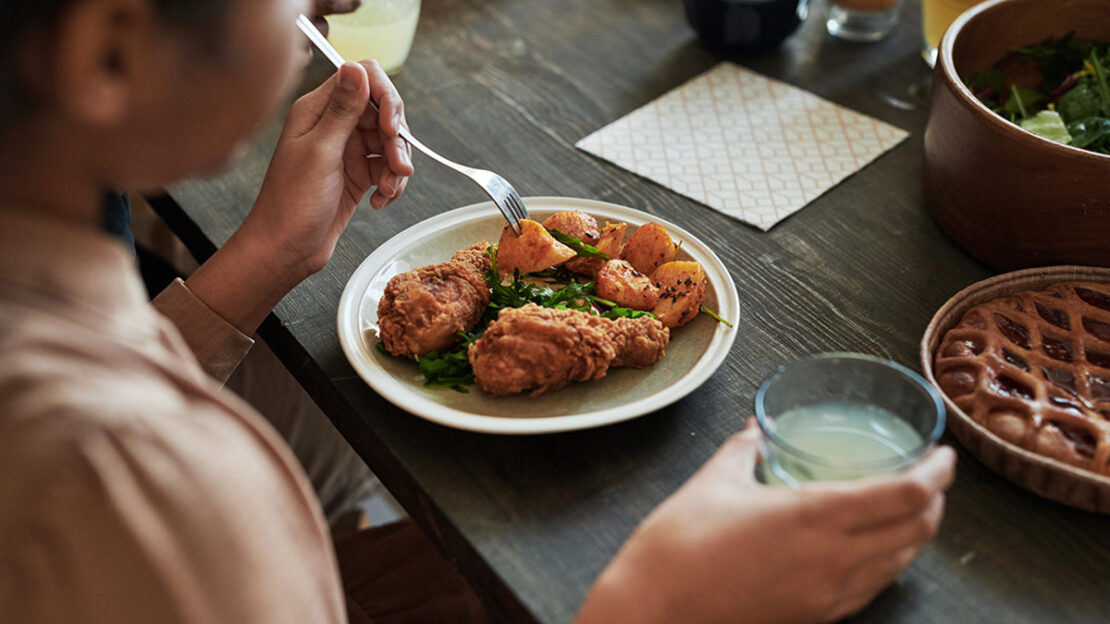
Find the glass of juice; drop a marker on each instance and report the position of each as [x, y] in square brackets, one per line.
[379, 29]
[936, 17]
[862, 20]
[840, 416]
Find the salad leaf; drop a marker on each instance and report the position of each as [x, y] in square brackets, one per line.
[1092, 133]
[1020, 101]
[1056, 58]
[1048, 124]
[989, 78]
[1100, 81]
[1081, 102]
[615, 311]
[581, 248]
[619, 312]
[447, 370]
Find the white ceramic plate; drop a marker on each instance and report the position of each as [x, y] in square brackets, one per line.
[693, 354]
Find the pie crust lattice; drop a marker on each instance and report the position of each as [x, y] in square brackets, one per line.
[1034, 368]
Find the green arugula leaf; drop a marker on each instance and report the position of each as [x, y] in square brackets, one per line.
[1081, 102]
[617, 312]
[1056, 58]
[1100, 81]
[989, 78]
[1020, 101]
[581, 248]
[447, 370]
[573, 296]
[1092, 133]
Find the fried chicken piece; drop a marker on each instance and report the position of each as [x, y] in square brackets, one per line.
[640, 342]
[424, 310]
[543, 349]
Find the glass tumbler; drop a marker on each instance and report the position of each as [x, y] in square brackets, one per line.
[862, 20]
[841, 416]
[936, 17]
[382, 30]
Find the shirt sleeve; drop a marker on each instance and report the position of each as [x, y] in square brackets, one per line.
[184, 520]
[217, 344]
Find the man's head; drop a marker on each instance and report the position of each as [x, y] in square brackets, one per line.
[160, 88]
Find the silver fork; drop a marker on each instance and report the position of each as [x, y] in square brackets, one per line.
[502, 193]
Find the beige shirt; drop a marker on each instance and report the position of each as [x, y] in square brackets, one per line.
[133, 488]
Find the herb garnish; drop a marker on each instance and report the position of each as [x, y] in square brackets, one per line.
[580, 247]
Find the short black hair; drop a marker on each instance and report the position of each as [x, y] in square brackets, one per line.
[20, 18]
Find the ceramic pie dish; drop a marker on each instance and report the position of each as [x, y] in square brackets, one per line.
[1022, 354]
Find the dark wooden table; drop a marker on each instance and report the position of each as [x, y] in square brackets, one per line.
[512, 85]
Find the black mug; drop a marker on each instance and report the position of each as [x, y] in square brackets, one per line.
[744, 25]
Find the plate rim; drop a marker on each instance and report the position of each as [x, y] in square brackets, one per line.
[385, 385]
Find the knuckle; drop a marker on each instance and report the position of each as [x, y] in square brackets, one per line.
[318, 151]
[340, 107]
[915, 494]
[924, 529]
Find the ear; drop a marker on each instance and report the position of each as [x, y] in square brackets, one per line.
[101, 54]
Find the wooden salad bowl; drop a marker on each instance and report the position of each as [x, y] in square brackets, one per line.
[1009, 197]
[1042, 475]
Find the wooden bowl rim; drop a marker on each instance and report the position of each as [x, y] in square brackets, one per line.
[968, 99]
[1026, 279]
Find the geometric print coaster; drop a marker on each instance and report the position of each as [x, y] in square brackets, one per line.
[751, 147]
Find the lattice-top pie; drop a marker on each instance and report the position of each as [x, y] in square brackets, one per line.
[1034, 368]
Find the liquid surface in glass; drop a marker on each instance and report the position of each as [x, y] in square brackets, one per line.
[380, 29]
[844, 432]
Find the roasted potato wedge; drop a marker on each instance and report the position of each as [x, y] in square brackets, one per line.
[610, 241]
[681, 287]
[574, 223]
[617, 281]
[649, 247]
[534, 250]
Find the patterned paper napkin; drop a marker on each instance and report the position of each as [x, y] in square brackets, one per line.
[753, 148]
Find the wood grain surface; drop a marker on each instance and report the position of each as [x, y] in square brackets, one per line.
[510, 85]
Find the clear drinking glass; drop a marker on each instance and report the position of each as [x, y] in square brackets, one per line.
[862, 20]
[936, 17]
[840, 416]
[379, 29]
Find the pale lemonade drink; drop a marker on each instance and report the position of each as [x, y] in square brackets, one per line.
[380, 29]
[936, 17]
[855, 440]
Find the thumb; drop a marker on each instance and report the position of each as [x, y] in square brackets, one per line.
[340, 113]
[739, 453]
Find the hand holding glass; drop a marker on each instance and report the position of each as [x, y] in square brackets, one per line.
[841, 416]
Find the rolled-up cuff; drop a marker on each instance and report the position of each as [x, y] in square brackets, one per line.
[218, 345]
